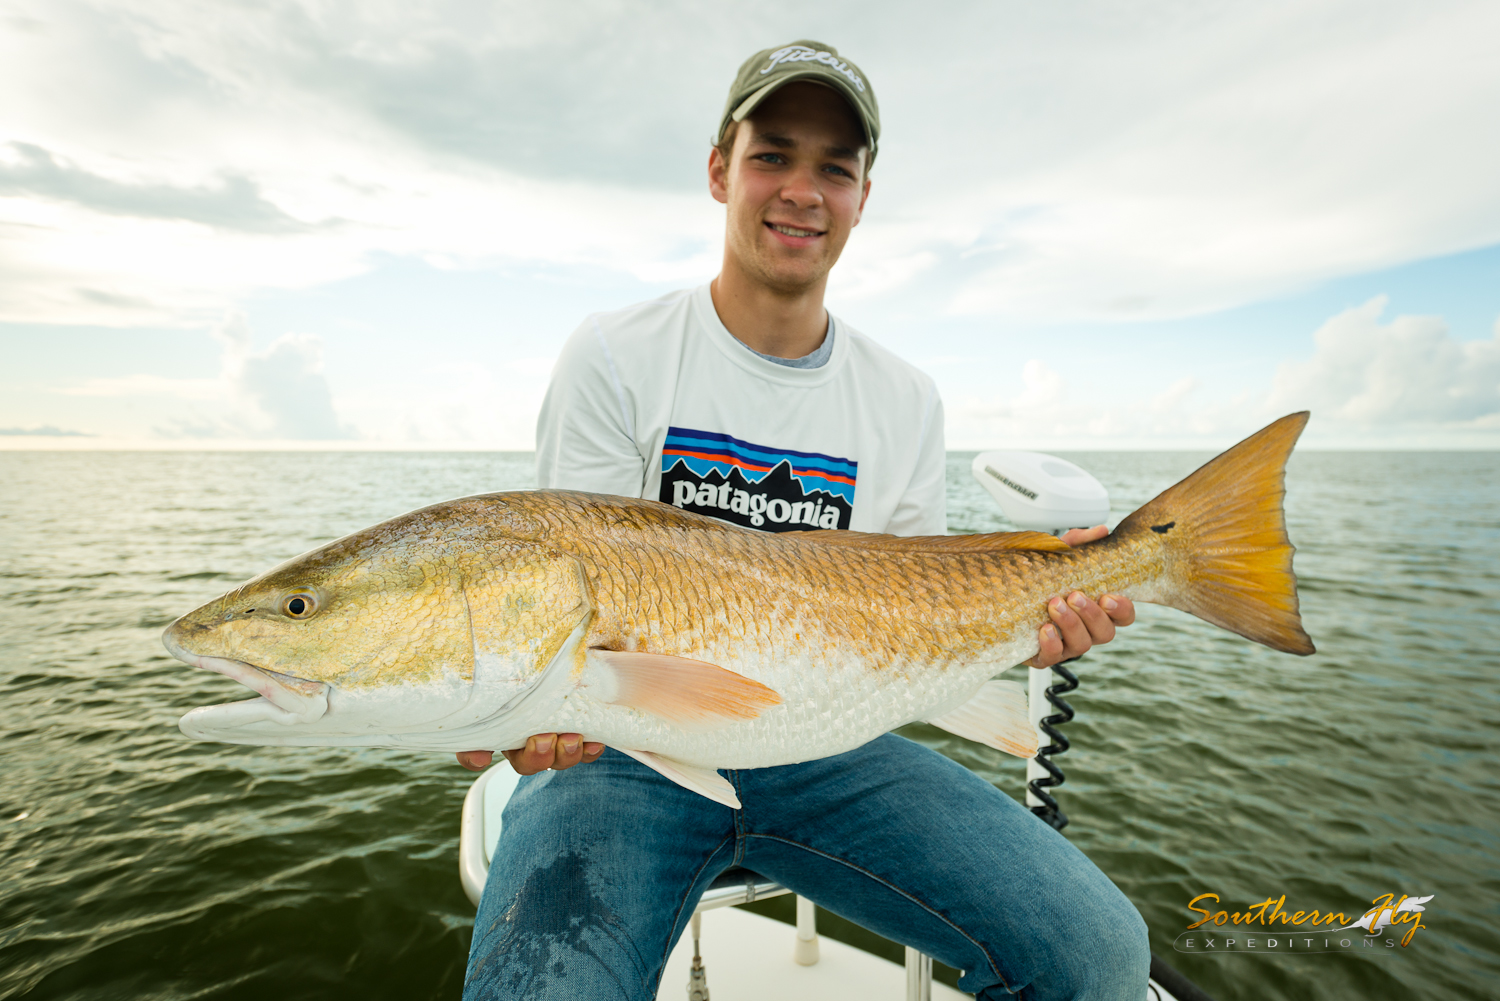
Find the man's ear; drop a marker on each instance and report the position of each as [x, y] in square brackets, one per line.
[864, 196]
[718, 176]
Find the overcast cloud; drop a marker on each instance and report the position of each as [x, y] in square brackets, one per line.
[232, 202]
[162, 162]
[1151, 158]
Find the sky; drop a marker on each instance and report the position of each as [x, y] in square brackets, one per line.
[1150, 224]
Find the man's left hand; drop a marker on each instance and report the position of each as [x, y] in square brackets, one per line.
[1078, 621]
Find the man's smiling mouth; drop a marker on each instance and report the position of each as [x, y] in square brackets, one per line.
[794, 231]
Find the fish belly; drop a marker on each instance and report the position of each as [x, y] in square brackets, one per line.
[826, 709]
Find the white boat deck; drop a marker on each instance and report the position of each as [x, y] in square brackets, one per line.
[749, 958]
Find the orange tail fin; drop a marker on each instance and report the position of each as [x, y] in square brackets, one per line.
[1225, 535]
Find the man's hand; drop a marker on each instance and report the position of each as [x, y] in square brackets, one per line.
[543, 751]
[1078, 622]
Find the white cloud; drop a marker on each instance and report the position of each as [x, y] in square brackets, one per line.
[160, 161]
[148, 385]
[1401, 383]
[1171, 398]
[285, 384]
[43, 431]
[455, 403]
[68, 262]
[278, 393]
[1238, 154]
[1052, 412]
[1406, 373]
[1040, 410]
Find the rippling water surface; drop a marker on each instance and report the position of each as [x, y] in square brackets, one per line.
[136, 864]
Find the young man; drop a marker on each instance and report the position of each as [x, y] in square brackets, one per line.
[744, 399]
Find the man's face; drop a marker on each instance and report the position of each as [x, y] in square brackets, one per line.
[794, 186]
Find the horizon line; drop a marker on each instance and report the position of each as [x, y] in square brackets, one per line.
[22, 444]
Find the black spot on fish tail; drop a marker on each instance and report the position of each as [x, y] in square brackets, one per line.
[556, 911]
[1163, 529]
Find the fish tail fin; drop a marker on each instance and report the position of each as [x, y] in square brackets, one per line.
[1229, 560]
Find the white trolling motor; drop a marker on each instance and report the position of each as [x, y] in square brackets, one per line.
[1043, 493]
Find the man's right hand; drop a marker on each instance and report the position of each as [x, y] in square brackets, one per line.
[542, 751]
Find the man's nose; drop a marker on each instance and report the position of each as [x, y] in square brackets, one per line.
[801, 188]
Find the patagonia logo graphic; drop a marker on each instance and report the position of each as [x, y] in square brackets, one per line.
[772, 489]
[803, 54]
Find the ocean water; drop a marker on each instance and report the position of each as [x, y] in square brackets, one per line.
[137, 864]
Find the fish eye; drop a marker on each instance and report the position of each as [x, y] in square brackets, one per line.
[299, 604]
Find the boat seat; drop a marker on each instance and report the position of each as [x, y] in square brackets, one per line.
[738, 885]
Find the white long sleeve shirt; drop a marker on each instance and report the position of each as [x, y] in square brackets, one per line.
[660, 400]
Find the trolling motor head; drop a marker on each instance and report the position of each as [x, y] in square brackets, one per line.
[1042, 493]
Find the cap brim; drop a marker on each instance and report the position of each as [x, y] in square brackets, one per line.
[749, 104]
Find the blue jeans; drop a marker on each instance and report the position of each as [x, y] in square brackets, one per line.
[599, 867]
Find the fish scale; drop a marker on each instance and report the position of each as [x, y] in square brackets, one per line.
[696, 645]
[841, 683]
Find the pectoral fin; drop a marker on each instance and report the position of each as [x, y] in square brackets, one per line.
[996, 716]
[703, 781]
[690, 693]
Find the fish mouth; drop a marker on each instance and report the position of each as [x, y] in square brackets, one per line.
[283, 698]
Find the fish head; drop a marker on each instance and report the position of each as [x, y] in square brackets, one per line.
[403, 628]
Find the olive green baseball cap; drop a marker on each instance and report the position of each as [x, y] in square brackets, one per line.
[770, 69]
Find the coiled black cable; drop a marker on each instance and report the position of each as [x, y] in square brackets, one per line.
[1049, 810]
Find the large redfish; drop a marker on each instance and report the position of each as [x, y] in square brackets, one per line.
[694, 645]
